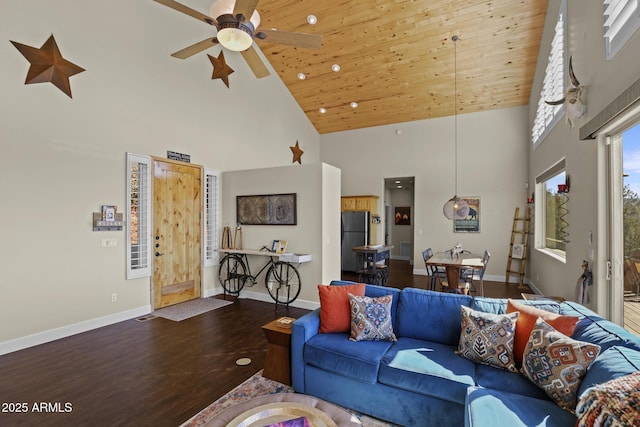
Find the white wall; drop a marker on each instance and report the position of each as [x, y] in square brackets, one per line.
[492, 165]
[63, 158]
[317, 232]
[605, 81]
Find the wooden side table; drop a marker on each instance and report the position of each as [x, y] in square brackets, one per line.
[277, 365]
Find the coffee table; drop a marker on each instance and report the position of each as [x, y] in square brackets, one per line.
[286, 406]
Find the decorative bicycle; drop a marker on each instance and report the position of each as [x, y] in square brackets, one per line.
[282, 279]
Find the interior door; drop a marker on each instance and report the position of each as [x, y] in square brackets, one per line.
[177, 232]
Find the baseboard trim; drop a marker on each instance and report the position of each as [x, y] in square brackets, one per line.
[259, 296]
[68, 330]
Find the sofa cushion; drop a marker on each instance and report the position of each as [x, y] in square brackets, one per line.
[491, 408]
[336, 353]
[612, 363]
[614, 403]
[427, 368]
[499, 305]
[430, 316]
[593, 328]
[513, 382]
[557, 363]
[335, 314]
[371, 318]
[488, 338]
[527, 319]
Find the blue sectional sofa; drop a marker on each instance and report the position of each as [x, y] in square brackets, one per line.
[419, 380]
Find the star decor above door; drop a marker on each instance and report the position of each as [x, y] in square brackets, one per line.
[48, 65]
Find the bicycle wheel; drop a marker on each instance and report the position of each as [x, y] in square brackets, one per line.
[232, 274]
[283, 282]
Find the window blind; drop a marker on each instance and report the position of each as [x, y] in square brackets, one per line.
[138, 216]
[211, 217]
[621, 21]
[553, 86]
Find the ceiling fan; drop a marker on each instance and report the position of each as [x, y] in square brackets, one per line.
[235, 32]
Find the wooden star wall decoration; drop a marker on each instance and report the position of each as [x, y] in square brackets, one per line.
[297, 153]
[48, 65]
[220, 68]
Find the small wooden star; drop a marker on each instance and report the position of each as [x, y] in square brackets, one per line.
[220, 68]
[48, 65]
[297, 153]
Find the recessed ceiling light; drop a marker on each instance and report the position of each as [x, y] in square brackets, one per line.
[311, 19]
[335, 67]
[301, 76]
[398, 186]
[354, 104]
[322, 110]
[397, 181]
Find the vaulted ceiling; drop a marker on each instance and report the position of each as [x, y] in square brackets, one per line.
[396, 57]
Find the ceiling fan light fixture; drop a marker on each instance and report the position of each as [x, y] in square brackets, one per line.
[234, 35]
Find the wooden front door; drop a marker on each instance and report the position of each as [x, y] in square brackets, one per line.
[177, 232]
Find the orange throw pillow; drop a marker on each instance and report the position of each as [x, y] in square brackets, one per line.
[527, 320]
[335, 312]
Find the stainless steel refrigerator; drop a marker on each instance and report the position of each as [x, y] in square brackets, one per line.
[355, 232]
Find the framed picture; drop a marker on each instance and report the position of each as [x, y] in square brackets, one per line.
[518, 250]
[279, 246]
[403, 215]
[108, 213]
[470, 224]
[269, 209]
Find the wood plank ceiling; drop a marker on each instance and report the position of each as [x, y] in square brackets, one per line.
[396, 57]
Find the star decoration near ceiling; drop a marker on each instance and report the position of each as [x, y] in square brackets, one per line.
[48, 65]
[297, 153]
[220, 68]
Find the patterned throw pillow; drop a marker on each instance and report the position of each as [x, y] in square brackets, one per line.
[371, 318]
[556, 363]
[614, 403]
[488, 338]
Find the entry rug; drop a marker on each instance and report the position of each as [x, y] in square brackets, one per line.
[257, 386]
[185, 310]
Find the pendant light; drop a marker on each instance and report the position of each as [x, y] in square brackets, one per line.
[455, 208]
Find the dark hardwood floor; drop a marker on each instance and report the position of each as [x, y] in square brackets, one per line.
[152, 373]
[155, 372]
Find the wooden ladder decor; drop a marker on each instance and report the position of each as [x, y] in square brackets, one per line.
[518, 247]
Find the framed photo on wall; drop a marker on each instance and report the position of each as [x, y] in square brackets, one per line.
[471, 224]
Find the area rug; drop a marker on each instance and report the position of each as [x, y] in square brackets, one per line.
[256, 386]
[185, 310]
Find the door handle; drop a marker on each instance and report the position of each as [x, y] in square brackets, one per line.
[159, 254]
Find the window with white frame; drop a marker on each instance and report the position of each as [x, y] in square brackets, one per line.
[621, 21]
[211, 216]
[138, 216]
[553, 86]
[551, 219]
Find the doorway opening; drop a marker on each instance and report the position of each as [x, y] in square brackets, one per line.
[631, 227]
[399, 196]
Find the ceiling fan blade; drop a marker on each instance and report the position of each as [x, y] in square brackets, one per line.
[195, 48]
[245, 8]
[188, 11]
[255, 63]
[309, 41]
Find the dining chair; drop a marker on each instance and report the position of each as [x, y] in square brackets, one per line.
[433, 271]
[471, 275]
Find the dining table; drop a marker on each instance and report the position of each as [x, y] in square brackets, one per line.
[454, 264]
